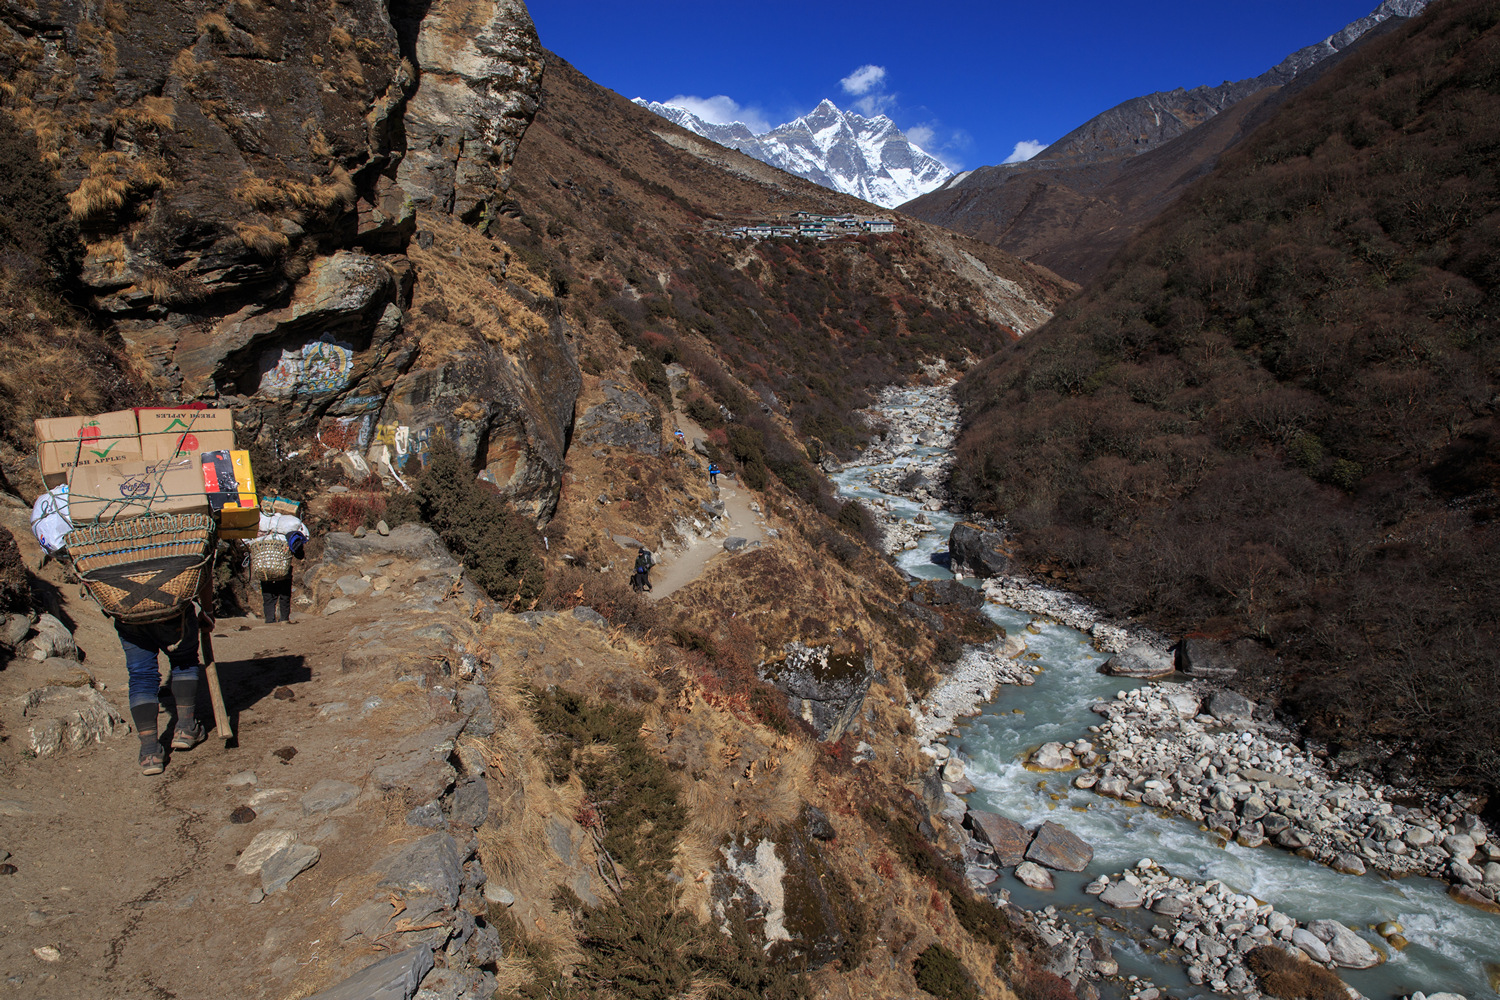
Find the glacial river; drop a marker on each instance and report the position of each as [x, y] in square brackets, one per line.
[1453, 947]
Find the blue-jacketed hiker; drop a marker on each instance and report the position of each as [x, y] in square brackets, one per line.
[713, 474]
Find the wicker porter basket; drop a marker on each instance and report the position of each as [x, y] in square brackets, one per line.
[143, 569]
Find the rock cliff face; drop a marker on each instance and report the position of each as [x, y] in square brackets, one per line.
[248, 178]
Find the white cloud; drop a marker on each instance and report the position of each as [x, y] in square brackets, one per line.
[874, 104]
[864, 80]
[721, 110]
[1025, 150]
[921, 135]
[940, 141]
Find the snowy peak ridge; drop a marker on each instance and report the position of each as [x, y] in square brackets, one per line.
[869, 158]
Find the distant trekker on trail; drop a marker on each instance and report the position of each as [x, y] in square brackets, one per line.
[681, 439]
[713, 474]
[281, 537]
[641, 578]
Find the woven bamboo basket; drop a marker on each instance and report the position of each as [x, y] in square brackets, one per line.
[143, 569]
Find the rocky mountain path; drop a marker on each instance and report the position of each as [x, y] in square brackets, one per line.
[134, 886]
[740, 521]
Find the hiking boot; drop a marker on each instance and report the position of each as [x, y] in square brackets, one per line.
[153, 761]
[186, 739]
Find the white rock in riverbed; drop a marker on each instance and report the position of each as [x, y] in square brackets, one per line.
[1034, 875]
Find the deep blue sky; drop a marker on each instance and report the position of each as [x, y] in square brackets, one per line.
[979, 77]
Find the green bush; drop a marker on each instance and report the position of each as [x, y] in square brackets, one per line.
[496, 544]
[703, 411]
[939, 972]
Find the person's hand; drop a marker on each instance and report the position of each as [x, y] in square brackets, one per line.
[206, 620]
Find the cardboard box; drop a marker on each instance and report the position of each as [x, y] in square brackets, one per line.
[281, 505]
[169, 433]
[132, 489]
[68, 443]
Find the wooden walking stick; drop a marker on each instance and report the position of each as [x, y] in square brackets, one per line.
[211, 674]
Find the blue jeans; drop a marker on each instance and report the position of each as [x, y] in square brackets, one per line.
[143, 645]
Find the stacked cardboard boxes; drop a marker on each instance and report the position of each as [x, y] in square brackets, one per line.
[152, 460]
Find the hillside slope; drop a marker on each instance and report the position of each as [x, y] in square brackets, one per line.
[622, 207]
[1274, 415]
[1075, 203]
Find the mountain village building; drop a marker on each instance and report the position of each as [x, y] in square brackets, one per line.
[810, 225]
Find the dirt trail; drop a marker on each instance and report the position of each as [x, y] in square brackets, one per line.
[739, 521]
[131, 878]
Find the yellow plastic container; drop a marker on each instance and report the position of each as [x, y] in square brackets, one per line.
[239, 521]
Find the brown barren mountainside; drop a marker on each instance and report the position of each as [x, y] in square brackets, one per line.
[1078, 201]
[1274, 414]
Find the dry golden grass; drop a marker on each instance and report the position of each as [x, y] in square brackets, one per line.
[469, 287]
[190, 71]
[318, 145]
[266, 242]
[215, 26]
[340, 38]
[351, 70]
[114, 178]
[169, 288]
[321, 197]
[159, 113]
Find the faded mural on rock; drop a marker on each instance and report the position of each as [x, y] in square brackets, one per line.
[322, 366]
[396, 443]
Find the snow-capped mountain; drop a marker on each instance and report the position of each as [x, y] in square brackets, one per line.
[869, 158]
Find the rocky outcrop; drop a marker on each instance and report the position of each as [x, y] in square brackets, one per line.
[1198, 656]
[824, 688]
[481, 70]
[248, 180]
[625, 419]
[978, 552]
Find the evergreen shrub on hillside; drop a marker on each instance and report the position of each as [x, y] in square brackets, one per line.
[38, 238]
[640, 946]
[15, 591]
[939, 972]
[496, 544]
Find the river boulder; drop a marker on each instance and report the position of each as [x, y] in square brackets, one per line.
[1054, 847]
[1053, 757]
[1346, 949]
[1311, 946]
[1122, 895]
[977, 552]
[1008, 839]
[1140, 661]
[1228, 706]
[1034, 875]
